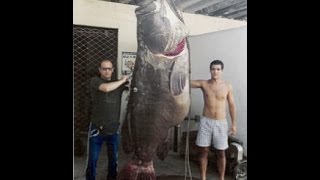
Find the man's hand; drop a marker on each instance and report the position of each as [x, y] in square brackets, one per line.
[233, 130]
[125, 77]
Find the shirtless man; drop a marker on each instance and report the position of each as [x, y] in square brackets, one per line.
[213, 125]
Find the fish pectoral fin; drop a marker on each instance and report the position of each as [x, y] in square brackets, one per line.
[177, 82]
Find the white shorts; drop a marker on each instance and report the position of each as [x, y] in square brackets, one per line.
[213, 132]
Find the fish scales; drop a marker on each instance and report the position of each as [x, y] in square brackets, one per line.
[160, 88]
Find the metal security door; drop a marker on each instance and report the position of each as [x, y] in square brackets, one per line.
[90, 46]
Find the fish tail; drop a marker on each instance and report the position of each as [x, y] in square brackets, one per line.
[133, 171]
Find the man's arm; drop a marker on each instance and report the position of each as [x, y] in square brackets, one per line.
[196, 83]
[107, 87]
[232, 111]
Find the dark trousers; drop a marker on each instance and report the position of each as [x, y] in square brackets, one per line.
[95, 143]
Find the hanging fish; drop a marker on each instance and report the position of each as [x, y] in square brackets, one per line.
[159, 92]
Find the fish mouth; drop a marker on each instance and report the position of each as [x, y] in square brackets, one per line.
[178, 49]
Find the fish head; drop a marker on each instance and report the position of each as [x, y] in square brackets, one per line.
[161, 27]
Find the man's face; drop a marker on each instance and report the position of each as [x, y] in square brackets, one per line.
[106, 70]
[216, 71]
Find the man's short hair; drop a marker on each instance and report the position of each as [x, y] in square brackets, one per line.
[217, 62]
[104, 60]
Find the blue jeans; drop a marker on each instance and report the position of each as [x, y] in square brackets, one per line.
[95, 143]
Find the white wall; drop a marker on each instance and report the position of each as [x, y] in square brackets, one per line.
[122, 17]
[109, 15]
[230, 46]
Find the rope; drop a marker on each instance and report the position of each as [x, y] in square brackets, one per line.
[187, 166]
[187, 161]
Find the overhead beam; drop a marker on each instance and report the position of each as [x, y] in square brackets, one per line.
[200, 5]
[187, 3]
[226, 9]
[244, 17]
[126, 1]
[238, 14]
[222, 5]
[234, 10]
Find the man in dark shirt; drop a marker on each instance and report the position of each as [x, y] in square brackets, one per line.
[104, 126]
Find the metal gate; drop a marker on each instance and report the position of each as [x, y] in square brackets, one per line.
[90, 46]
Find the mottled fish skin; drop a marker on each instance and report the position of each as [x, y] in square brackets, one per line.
[160, 91]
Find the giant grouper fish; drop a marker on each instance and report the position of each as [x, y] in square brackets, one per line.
[160, 89]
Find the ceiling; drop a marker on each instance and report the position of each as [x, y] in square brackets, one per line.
[230, 9]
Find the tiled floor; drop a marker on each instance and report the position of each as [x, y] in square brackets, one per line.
[173, 165]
